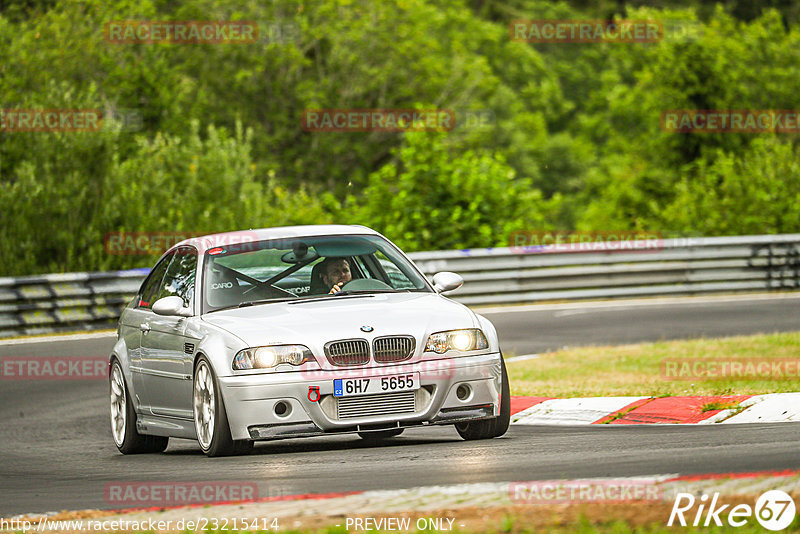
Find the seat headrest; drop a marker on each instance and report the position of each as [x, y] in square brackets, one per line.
[317, 284]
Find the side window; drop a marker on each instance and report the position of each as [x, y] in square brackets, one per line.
[357, 269]
[153, 283]
[179, 280]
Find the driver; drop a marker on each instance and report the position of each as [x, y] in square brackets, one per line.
[335, 274]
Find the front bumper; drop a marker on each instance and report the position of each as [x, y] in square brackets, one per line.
[277, 405]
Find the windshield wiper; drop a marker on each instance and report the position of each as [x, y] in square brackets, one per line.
[300, 300]
[367, 291]
[328, 297]
[263, 301]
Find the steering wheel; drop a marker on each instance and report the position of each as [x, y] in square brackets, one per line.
[364, 284]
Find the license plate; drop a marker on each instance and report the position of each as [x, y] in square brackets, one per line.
[347, 387]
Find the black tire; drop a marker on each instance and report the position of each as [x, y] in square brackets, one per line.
[491, 428]
[381, 434]
[221, 443]
[132, 442]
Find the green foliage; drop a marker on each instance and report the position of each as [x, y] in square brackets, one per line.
[432, 199]
[197, 185]
[575, 141]
[753, 192]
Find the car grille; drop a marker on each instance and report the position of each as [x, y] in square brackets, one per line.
[393, 348]
[401, 402]
[347, 352]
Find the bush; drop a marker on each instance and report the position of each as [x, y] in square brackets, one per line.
[431, 199]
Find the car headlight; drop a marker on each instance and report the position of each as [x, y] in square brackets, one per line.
[461, 340]
[271, 356]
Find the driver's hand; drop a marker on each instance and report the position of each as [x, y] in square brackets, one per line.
[336, 288]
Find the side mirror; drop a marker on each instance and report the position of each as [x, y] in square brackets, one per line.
[171, 306]
[446, 281]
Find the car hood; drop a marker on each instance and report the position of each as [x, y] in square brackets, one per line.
[316, 322]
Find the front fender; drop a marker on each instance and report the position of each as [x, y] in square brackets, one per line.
[490, 331]
[216, 344]
[121, 354]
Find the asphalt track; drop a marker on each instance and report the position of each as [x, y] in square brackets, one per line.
[535, 329]
[56, 450]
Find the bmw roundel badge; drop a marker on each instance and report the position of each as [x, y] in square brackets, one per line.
[366, 328]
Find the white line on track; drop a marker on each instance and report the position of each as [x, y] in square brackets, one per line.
[567, 313]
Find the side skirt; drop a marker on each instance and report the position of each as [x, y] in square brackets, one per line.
[173, 427]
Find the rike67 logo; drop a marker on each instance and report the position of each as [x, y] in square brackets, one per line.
[774, 510]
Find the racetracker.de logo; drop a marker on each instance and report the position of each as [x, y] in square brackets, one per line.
[586, 31]
[135, 494]
[556, 241]
[70, 120]
[54, 368]
[378, 120]
[180, 32]
[718, 369]
[155, 243]
[564, 491]
[50, 120]
[730, 121]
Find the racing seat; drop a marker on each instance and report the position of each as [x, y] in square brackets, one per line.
[224, 289]
[318, 286]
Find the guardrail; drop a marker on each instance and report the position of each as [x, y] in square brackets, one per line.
[685, 266]
[65, 302]
[688, 266]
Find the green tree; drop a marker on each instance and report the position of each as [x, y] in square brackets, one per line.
[754, 192]
[431, 199]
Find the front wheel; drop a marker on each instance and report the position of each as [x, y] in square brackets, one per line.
[210, 418]
[123, 419]
[491, 428]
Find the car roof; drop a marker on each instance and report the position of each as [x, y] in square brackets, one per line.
[203, 243]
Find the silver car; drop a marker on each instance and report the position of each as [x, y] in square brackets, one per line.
[296, 332]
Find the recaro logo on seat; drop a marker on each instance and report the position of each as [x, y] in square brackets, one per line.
[222, 285]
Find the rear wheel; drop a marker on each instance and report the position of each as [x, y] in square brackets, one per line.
[123, 419]
[491, 428]
[210, 418]
[381, 434]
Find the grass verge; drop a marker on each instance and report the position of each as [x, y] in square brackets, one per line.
[640, 369]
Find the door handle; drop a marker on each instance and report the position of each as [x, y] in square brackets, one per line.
[144, 327]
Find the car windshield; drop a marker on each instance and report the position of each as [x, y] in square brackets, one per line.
[305, 267]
